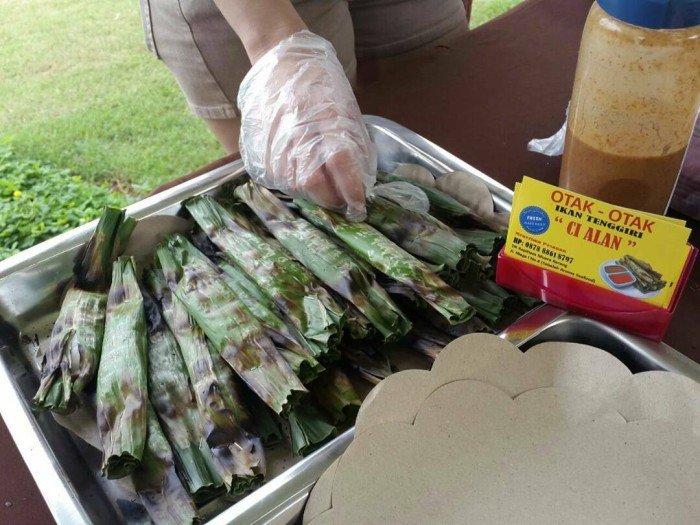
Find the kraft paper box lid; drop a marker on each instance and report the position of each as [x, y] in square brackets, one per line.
[597, 398]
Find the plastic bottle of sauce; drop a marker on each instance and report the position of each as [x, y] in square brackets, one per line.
[635, 100]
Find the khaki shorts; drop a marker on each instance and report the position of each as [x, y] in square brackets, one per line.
[209, 62]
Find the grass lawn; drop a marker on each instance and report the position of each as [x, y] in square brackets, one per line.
[79, 90]
[485, 10]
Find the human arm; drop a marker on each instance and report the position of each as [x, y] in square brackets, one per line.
[261, 24]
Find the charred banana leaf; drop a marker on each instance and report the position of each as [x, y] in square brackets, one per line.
[74, 351]
[73, 355]
[447, 208]
[648, 279]
[122, 390]
[428, 341]
[327, 261]
[158, 485]
[371, 364]
[237, 455]
[249, 454]
[237, 336]
[309, 429]
[292, 288]
[295, 350]
[265, 422]
[173, 400]
[358, 326]
[336, 395]
[418, 233]
[485, 242]
[390, 259]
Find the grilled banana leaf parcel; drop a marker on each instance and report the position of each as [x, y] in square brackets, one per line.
[239, 460]
[172, 399]
[309, 428]
[418, 233]
[445, 207]
[327, 261]
[390, 259]
[73, 355]
[293, 289]
[249, 455]
[485, 242]
[239, 337]
[122, 391]
[158, 485]
[295, 350]
[336, 395]
[369, 363]
[358, 326]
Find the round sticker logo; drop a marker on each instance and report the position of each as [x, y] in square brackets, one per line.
[534, 220]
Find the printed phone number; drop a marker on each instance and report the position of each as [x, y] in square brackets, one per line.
[549, 253]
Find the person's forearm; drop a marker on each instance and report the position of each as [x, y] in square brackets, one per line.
[260, 24]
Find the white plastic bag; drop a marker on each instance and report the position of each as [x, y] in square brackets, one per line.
[551, 146]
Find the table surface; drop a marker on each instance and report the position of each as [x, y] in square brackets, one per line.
[482, 98]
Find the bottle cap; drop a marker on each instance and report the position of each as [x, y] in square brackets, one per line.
[654, 14]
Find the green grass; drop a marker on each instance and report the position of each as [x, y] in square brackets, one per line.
[80, 91]
[32, 209]
[485, 10]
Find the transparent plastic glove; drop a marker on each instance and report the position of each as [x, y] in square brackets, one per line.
[301, 128]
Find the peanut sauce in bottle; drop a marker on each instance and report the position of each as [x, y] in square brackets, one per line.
[635, 100]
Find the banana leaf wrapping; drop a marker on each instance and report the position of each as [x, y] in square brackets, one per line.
[158, 485]
[292, 288]
[327, 261]
[293, 347]
[249, 453]
[369, 363]
[357, 325]
[402, 294]
[72, 358]
[418, 233]
[237, 336]
[334, 392]
[74, 351]
[122, 390]
[428, 341]
[526, 302]
[477, 268]
[445, 207]
[265, 422]
[485, 242]
[491, 308]
[510, 300]
[473, 325]
[237, 455]
[172, 399]
[390, 259]
[92, 266]
[309, 429]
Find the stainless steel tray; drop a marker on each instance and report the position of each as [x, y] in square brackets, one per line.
[65, 468]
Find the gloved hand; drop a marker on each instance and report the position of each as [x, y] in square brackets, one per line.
[301, 127]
